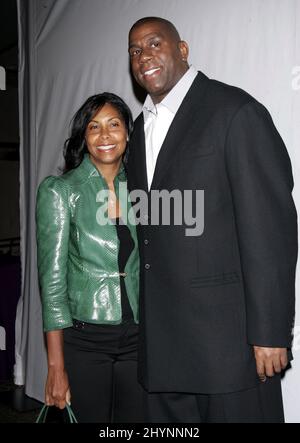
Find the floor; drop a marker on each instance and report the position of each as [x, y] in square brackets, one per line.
[16, 407]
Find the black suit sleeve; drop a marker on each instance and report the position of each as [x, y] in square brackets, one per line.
[261, 182]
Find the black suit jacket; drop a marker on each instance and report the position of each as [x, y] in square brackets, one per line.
[205, 301]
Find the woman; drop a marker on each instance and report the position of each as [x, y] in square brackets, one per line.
[89, 270]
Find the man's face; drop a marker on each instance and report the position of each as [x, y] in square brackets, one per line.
[158, 59]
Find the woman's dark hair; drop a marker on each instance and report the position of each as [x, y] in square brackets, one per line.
[75, 147]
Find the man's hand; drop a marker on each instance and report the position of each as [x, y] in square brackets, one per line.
[270, 361]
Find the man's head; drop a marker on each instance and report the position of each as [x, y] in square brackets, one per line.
[158, 56]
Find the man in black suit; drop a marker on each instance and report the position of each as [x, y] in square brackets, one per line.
[216, 310]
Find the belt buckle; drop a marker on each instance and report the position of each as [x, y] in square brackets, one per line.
[78, 324]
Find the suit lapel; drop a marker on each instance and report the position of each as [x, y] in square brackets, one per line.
[177, 135]
[138, 166]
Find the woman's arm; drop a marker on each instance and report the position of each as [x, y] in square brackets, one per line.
[53, 226]
[53, 230]
[57, 386]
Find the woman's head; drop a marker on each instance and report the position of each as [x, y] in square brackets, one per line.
[101, 127]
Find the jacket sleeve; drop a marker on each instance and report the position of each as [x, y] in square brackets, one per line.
[260, 177]
[53, 226]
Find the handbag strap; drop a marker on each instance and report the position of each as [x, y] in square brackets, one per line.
[42, 415]
[72, 417]
[44, 411]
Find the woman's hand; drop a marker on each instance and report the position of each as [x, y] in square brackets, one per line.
[57, 384]
[57, 388]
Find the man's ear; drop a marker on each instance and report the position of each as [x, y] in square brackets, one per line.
[184, 50]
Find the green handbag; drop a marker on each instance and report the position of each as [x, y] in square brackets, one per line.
[44, 411]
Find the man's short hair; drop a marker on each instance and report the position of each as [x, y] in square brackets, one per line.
[161, 20]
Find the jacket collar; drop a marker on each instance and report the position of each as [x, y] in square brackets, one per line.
[175, 97]
[177, 136]
[90, 169]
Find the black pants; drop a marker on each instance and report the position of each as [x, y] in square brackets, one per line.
[101, 362]
[262, 404]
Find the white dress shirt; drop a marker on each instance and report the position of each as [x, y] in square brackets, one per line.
[158, 119]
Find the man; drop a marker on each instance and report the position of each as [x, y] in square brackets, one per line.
[217, 310]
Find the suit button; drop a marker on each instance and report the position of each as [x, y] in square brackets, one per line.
[146, 242]
[147, 267]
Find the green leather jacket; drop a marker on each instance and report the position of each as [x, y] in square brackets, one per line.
[77, 257]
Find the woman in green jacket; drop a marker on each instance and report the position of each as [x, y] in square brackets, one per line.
[88, 266]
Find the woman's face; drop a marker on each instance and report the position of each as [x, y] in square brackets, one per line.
[106, 137]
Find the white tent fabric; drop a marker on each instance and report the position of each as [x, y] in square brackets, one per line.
[70, 49]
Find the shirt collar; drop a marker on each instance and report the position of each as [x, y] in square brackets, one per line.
[175, 97]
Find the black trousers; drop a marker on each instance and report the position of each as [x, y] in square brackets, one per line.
[262, 404]
[101, 362]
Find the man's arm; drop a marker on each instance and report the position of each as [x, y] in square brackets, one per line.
[261, 181]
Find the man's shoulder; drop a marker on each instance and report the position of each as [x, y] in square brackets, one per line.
[229, 91]
[223, 93]
[214, 93]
